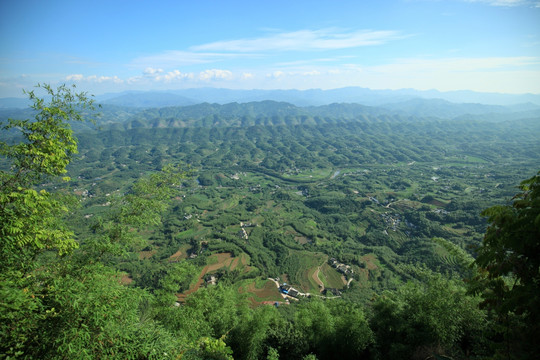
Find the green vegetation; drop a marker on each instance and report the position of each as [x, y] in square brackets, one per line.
[375, 219]
[509, 264]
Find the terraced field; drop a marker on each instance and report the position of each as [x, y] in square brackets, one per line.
[261, 292]
[216, 262]
[331, 278]
[307, 265]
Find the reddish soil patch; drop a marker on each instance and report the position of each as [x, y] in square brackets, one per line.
[224, 259]
[234, 263]
[175, 256]
[370, 265]
[364, 273]
[146, 254]
[301, 239]
[268, 291]
[273, 303]
[126, 280]
[243, 259]
[438, 203]
[182, 297]
[370, 261]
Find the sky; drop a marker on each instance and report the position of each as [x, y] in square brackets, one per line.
[116, 45]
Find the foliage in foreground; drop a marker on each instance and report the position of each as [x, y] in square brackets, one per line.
[57, 303]
[509, 271]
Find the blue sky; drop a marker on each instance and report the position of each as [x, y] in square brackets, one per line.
[109, 46]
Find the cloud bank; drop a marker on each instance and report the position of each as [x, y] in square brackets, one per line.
[501, 74]
[303, 40]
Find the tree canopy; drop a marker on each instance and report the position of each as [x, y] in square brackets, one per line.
[509, 268]
[29, 219]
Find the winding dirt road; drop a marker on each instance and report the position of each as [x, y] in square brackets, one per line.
[315, 278]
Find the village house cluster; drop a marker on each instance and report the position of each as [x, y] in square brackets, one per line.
[288, 290]
[342, 268]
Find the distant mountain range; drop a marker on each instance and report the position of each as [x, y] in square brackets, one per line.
[225, 107]
[270, 112]
[409, 98]
[312, 97]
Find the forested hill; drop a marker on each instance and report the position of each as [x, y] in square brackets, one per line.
[282, 113]
[269, 112]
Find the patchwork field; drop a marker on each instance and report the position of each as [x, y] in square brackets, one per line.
[214, 263]
[371, 262]
[261, 292]
[330, 277]
[302, 274]
[180, 254]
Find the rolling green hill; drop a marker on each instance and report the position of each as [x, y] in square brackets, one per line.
[370, 216]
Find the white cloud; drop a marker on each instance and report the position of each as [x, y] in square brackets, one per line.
[297, 75]
[159, 75]
[261, 47]
[149, 71]
[114, 79]
[74, 77]
[175, 75]
[276, 74]
[491, 74]
[94, 78]
[215, 74]
[324, 39]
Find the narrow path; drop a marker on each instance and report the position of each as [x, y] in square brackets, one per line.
[274, 281]
[315, 277]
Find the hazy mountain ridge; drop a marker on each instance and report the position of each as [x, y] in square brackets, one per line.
[272, 112]
[281, 113]
[365, 96]
[311, 97]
